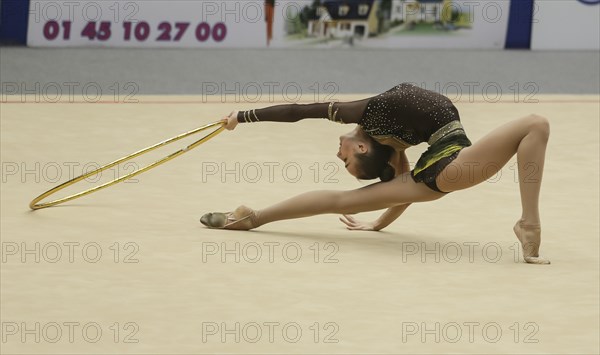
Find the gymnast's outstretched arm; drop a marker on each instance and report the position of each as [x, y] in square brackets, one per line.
[342, 112]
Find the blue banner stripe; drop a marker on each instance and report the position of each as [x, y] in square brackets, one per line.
[13, 21]
[520, 22]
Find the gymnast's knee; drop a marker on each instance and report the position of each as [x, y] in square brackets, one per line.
[540, 125]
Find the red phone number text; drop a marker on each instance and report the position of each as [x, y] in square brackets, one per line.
[138, 31]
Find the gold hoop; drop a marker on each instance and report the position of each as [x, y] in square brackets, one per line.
[35, 205]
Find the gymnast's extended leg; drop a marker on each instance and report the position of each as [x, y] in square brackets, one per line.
[377, 196]
[527, 137]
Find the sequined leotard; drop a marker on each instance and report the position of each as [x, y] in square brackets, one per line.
[408, 113]
[401, 117]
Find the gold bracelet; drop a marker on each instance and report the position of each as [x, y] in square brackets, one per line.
[332, 117]
[255, 116]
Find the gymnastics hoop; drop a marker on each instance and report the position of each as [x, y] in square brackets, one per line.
[35, 205]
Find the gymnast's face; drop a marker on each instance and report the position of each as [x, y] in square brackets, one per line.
[350, 145]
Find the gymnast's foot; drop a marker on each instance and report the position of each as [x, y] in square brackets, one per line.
[530, 238]
[243, 218]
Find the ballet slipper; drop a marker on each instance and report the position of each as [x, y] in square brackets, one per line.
[530, 238]
[243, 218]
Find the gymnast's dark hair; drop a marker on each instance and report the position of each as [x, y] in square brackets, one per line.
[374, 164]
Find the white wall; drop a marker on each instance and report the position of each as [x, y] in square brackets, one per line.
[565, 24]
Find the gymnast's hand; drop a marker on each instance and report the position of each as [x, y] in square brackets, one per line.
[231, 120]
[356, 225]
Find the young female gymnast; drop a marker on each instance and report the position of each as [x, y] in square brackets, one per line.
[388, 123]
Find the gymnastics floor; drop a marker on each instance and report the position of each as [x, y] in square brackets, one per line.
[130, 269]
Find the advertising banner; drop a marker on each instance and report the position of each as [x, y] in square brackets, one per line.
[270, 23]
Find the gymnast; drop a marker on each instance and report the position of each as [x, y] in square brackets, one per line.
[388, 124]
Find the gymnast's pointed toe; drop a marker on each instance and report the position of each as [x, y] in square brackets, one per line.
[536, 260]
[243, 218]
[214, 220]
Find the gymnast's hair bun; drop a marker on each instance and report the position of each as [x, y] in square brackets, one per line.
[387, 173]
